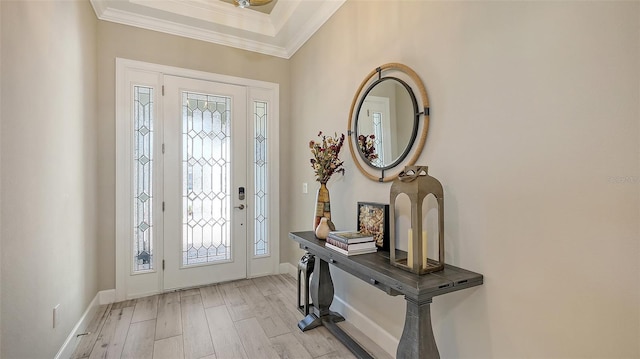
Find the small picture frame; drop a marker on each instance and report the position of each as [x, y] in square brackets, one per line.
[373, 218]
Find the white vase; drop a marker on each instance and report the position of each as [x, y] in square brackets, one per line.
[323, 229]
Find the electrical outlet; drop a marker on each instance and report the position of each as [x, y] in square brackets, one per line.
[305, 188]
[56, 315]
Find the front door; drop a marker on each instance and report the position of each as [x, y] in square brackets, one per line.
[205, 180]
[196, 178]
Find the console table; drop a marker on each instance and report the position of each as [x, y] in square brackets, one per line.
[417, 340]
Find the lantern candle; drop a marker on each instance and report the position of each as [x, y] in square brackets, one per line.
[424, 249]
[410, 250]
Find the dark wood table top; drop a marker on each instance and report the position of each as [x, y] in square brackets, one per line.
[376, 269]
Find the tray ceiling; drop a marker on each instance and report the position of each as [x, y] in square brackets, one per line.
[278, 29]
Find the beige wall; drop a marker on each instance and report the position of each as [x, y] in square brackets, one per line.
[535, 136]
[155, 47]
[534, 132]
[49, 169]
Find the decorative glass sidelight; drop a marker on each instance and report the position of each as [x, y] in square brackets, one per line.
[261, 240]
[378, 141]
[143, 160]
[206, 178]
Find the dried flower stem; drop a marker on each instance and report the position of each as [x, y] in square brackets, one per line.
[325, 161]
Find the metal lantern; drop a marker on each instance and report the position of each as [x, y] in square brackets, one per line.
[416, 183]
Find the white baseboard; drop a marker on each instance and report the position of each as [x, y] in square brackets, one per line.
[288, 268]
[107, 296]
[70, 345]
[372, 330]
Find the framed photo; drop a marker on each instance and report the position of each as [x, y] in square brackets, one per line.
[373, 218]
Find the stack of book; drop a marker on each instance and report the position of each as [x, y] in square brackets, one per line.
[351, 242]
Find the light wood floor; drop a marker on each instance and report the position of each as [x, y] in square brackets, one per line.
[251, 318]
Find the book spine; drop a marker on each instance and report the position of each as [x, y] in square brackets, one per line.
[337, 239]
[337, 249]
[337, 243]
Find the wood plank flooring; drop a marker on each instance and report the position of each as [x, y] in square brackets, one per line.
[247, 319]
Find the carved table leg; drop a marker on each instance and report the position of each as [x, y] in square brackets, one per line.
[322, 296]
[417, 339]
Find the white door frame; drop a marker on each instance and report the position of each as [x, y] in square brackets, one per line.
[256, 91]
[382, 105]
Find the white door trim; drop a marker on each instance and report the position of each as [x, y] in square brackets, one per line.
[256, 266]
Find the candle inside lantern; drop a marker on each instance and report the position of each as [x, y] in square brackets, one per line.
[424, 249]
[410, 250]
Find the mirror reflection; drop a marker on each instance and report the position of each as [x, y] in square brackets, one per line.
[386, 122]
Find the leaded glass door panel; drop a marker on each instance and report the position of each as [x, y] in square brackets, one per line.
[205, 167]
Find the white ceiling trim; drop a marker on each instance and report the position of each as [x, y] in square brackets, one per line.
[311, 23]
[150, 23]
[283, 12]
[281, 33]
[215, 11]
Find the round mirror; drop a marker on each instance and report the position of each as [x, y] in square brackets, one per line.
[386, 122]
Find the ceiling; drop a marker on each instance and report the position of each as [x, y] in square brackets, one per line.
[278, 29]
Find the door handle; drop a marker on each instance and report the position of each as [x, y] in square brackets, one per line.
[241, 207]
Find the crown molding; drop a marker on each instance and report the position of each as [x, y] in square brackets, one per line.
[282, 14]
[168, 27]
[217, 12]
[312, 24]
[281, 33]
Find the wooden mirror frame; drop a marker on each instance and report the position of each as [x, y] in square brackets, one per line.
[355, 154]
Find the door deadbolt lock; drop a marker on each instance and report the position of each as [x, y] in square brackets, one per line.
[241, 193]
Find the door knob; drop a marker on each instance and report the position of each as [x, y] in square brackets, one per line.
[240, 206]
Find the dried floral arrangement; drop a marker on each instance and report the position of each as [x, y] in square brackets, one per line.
[325, 161]
[368, 147]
